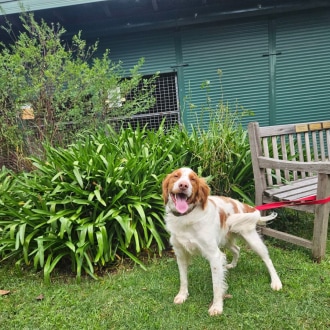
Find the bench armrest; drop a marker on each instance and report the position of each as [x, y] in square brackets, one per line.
[318, 167]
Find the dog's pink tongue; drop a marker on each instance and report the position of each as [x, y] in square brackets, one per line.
[181, 204]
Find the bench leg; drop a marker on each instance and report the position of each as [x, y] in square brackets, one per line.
[321, 219]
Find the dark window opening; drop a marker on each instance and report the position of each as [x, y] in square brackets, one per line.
[166, 106]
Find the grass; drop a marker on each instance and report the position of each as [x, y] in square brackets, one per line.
[136, 299]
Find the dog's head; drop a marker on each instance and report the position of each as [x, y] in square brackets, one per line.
[183, 189]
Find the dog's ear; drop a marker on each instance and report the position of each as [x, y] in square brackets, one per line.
[165, 189]
[203, 191]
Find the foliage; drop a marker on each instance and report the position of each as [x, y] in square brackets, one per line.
[91, 203]
[99, 199]
[61, 88]
[221, 148]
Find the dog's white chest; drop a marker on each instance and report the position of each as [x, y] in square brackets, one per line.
[187, 242]
[194, 234]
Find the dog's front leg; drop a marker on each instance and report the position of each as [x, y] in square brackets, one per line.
[217, 264]
[183, 260]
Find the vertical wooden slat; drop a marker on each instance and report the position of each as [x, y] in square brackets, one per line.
[322, 145]
[293, 154]
[308, 150]
[328, 143]
[300, 152]
[284, 156]
[275, 156]
[315, 155]
[266, 154]
[307, 147]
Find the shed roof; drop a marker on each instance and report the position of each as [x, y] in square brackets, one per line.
[118, 16]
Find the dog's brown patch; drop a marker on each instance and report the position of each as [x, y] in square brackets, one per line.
[223, 217]
[248, 209]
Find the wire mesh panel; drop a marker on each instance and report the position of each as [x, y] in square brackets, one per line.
[166, 106]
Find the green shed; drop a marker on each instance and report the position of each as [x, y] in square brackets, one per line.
[269, 57]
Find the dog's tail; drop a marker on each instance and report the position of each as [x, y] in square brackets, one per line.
[240, 222]
[270, 217]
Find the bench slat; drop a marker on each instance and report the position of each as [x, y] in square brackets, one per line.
[328, 143]
[293, 155]
[311, 181]
[300, 152]
[296, 194]
[287, 237]
[284, 155]
[275, 156]
[321, 167]
[266, 153]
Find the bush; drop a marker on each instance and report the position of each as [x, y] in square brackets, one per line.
[91, 203]
[222, 153]
[100, 198]
[50, 90]
[221, 147]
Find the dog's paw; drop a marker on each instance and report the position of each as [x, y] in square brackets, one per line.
[215, 309]
[276, 285]
[230, 266]
[181, 298]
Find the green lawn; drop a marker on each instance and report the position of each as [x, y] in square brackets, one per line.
[138, 299]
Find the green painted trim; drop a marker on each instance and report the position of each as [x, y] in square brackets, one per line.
[272, 71]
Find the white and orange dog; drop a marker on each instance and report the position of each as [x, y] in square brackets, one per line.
[200, 223]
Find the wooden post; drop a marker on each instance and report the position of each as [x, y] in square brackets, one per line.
[321, 218]
[259, 174]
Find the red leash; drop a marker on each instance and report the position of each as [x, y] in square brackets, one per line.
[303, 201]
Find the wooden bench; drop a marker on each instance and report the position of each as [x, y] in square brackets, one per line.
[291, 162]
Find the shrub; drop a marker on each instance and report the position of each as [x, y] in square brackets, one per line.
[100, 198]
[223, 153]
[221, 148]
[91, 203]
[50, 90]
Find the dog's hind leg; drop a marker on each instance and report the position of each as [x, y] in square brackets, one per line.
[234, 250]
[258, 246]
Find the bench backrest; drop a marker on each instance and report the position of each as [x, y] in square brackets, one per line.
[297, 142]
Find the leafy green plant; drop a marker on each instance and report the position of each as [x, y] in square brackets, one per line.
[51, 89]
[99, 199]
[220, 147]
[223, 153]
[92, 203]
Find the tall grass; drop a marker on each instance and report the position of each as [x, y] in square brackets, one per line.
[222, 152]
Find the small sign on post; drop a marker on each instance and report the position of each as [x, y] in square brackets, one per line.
[27, 112]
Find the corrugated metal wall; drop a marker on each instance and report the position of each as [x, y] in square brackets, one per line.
[303, 68]
[157, 48]
[236, 50]
[291, 87]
